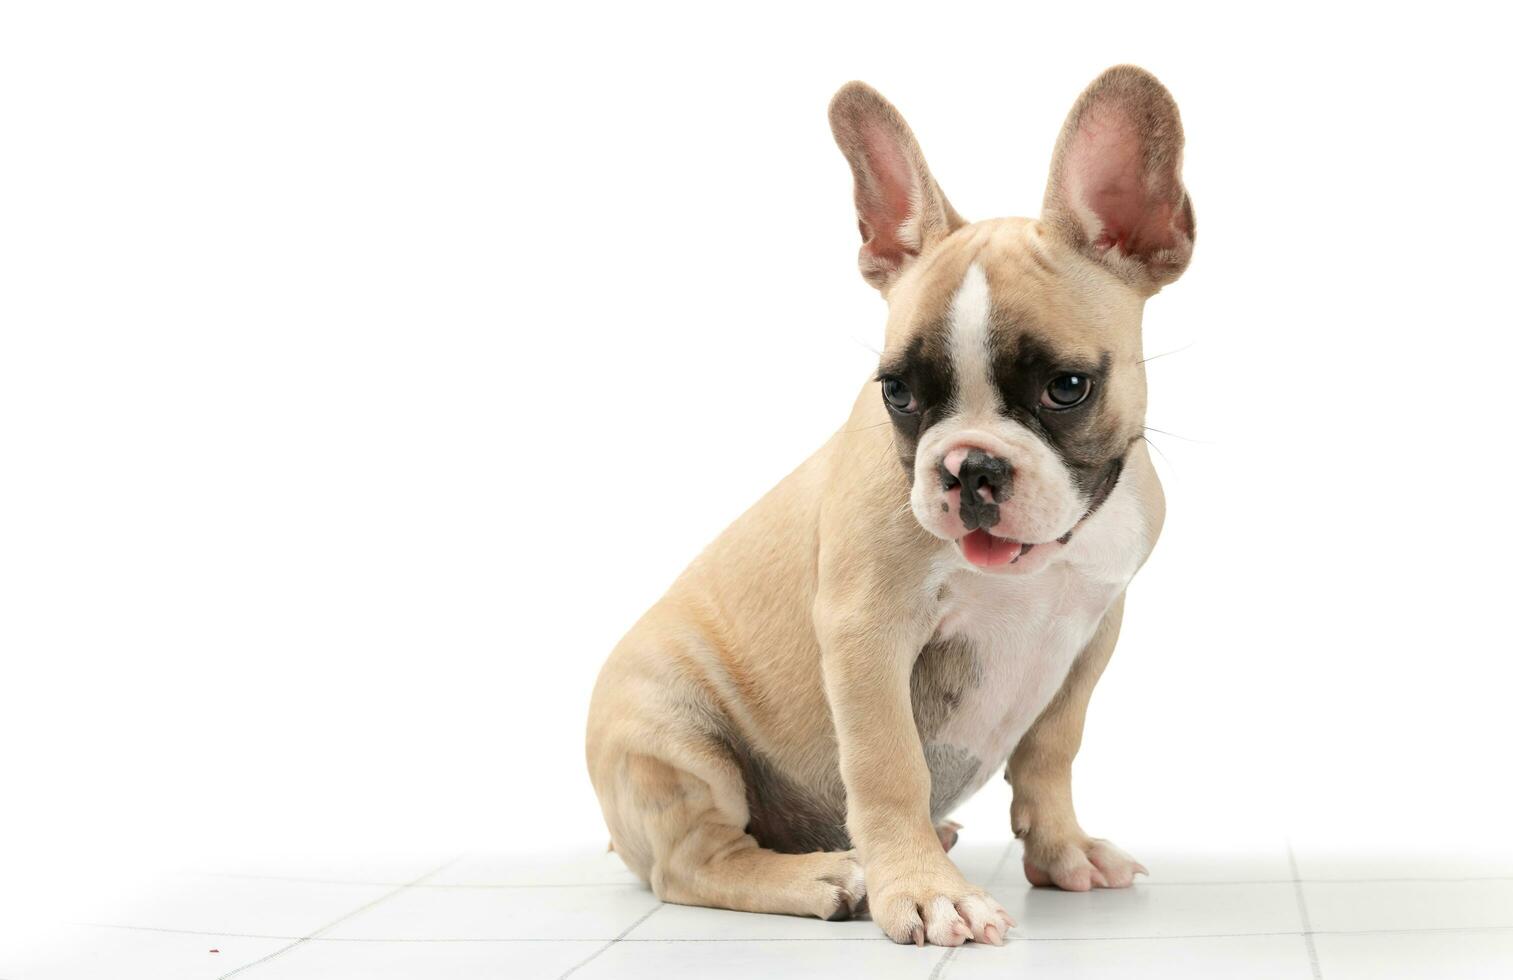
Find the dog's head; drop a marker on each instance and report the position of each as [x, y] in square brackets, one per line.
[1012, 367]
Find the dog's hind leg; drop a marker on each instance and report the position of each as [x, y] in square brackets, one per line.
[685, 835]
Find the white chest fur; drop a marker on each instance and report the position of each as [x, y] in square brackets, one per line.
[1024, 634]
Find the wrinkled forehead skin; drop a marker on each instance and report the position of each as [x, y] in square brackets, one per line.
[1042, 291]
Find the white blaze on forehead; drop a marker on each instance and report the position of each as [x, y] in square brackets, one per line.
[971, 355]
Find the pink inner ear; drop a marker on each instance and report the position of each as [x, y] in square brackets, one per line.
[891, 201]
[1107, 181]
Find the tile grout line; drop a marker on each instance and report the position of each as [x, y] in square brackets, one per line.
[945, 961]
[880, 938]
[423, 884]
[596, 953]
[212, 933]
[1308, 940]
[333, 924]
[1165, 883]
[1003, 859]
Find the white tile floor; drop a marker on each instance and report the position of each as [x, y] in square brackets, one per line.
[1264, 911]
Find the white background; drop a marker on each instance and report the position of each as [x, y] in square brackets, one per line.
[366, 371]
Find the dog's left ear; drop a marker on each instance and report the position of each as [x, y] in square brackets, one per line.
[1115, 190]
[900, 209]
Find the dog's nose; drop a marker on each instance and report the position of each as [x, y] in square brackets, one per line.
[985, 482]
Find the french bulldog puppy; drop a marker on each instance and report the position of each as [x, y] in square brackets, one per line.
[932, 595]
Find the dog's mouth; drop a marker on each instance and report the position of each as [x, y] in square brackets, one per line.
[985, 551]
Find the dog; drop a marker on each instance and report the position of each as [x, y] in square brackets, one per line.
[932, 595]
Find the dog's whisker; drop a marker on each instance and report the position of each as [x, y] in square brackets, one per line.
[1165, 458]
[1201, 442]
[864, 345]
[1168, 353]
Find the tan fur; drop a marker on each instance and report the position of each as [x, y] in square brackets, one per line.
[791, 639]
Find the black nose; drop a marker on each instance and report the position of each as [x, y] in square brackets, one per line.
[985, 481]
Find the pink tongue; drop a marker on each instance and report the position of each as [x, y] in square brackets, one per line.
[986, 551]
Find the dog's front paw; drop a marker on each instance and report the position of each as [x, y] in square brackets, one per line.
[938, 907]
[1078, 865]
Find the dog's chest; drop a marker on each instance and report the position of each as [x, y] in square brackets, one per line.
[1003, 649]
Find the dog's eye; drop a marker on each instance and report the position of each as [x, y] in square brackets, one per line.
[1066, 390]
[898, 395]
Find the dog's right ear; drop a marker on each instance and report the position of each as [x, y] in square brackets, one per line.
[900, 209]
